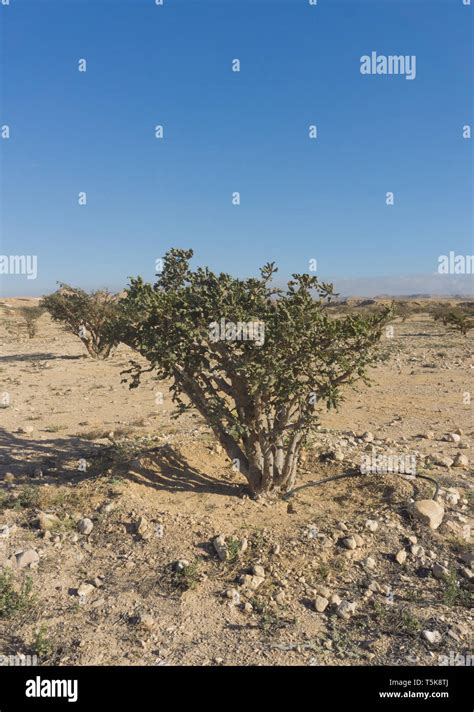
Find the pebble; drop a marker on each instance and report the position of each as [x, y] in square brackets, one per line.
[461, 461]
[401, 556]
[27, 558]
[346, 609]
[85, 589]
[258, 570]
[85, 526]
[432, 636]
[220, 547]
[429, 512]
[372, 525]
[321, 603]
[349, 542]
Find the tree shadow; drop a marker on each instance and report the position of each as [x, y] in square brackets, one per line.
[38, 356]
[175, 474]
[60, 460]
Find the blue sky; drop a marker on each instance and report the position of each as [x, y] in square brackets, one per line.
[226, 131]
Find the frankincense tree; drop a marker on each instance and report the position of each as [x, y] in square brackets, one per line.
[94, 317]
[256, 361]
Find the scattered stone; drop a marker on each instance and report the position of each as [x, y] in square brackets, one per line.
[291, 509]
[4, 531]
[417, 551]
[258, 570]
[346, 609]
[247, 607]
[359, 540]
[401, 557]
[85, 589]
[323, 591]
[370, 563]
[335, 600]
[412, 539]
[372, 525]
[432, 636]
[321, 603]
[429, 435]
[181, 565]
[461, 461]
[244, 545]
[9, 477]
[27, 558]
[280, 598]
[368, 437]
[147, 621]
[85, 526]
[220, 547]
[233, 595]
[452, 437]
[429, 512]
[276, 549]
[349, 542]
[143, 528]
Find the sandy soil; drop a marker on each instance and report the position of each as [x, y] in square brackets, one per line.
[77, 443]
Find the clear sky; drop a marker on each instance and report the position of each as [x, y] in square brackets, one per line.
[226, 131]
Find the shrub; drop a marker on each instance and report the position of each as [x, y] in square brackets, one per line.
[30, 316]
[93, 317]
[255, 360]
[455, 318]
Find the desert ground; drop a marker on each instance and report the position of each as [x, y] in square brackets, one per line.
[109, 509]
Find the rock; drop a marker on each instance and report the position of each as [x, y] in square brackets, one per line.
[452, 496]
[46, 522]
[432, 636]
[346, 609]
[417, 551]
[220, 547]
[9, 477]
[255, 582]
[429, 512]
[291, 509]
[335, 600]
[147, 621]
[401, 557]
[244, 545]
[85, 526]
[323, 591]
[452, 437]
[337, 455]
[466, 573]
[98, 581]
[412, 539]
[181, 565]
[372, 525]
[143, 528]
[258, 571]
[349, 542]
[359, 540]
[370, 563]
[26, 558]
[276, 548]
[4, 531]
[85, 589]
[233, 595]
[247, 607]
[429, 435]
[280, 598]
[374, 586]
[321, 603]
[461, 461]
[368, 437]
